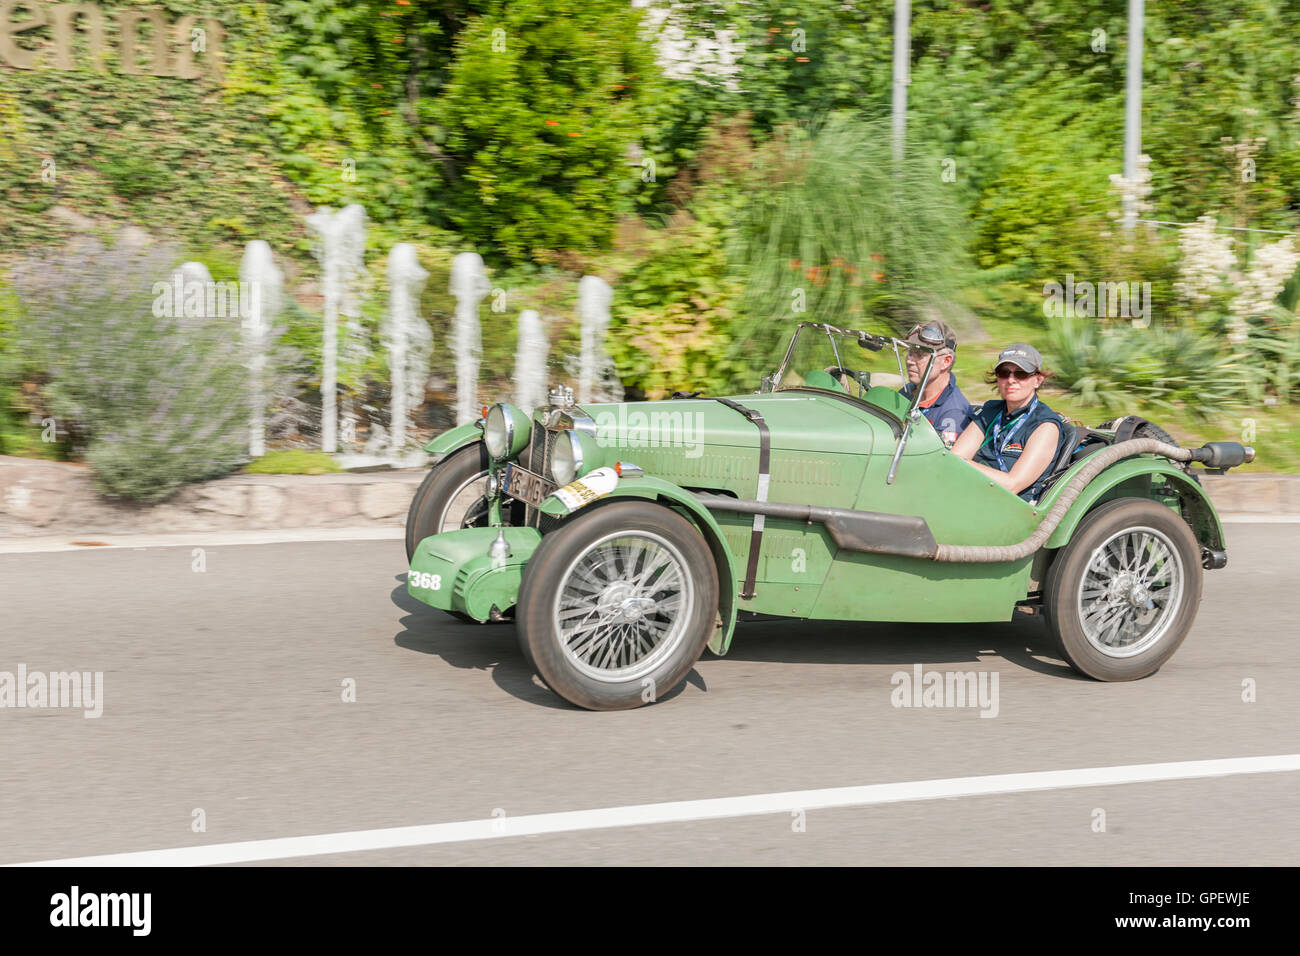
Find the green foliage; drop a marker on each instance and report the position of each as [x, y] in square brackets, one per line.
[672, 316]
[1118, 367]
[176, 156]
[541, 106]
[292, 461]
[1272, 358]
[837, 234]
[153, 401]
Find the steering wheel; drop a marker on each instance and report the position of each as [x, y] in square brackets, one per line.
[862, 377]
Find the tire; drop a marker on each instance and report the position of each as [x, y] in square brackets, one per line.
[424, 517]
[1147, 430]
[1096, 611]
[591, 568]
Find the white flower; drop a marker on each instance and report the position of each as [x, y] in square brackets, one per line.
[1207, 260]
[682, 56]
[1269, 271]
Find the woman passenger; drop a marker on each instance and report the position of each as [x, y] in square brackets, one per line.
[1015, 439]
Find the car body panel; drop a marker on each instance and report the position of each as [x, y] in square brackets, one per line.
[454, 438]
[469, 581]
[657, 489]
[1134, 477]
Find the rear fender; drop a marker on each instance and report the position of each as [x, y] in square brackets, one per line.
[656, 489]
[1134, 477]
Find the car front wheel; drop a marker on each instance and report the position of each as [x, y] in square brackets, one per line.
[615, 607]
[1123, 594]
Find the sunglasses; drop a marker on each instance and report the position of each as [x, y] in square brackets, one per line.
[1007, 371]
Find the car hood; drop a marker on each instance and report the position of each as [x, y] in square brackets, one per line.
[797, 421]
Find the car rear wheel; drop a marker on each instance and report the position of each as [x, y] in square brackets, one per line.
[616, 606]
[1122, 595]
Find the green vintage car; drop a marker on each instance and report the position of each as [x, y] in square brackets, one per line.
[625, 538]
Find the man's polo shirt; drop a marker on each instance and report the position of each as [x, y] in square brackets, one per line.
[949, 413]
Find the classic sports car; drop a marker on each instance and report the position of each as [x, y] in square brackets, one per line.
[625, 538]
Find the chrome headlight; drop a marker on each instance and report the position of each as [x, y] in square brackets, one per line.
[497, 432]
[505, 431]
[574, 454]
[566, 458]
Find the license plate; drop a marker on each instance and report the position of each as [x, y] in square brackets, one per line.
[527, 487]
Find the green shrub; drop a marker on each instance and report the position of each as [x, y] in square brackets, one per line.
[154, 401]
[292, 461]
[1119, 368]
[672, 315]
[543, 101]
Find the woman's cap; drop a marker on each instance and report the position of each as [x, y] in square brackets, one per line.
[1022, 356]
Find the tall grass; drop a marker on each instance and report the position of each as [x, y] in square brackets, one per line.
[836, 233]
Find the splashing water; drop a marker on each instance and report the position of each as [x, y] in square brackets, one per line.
[596, 378]
[263, 282]
[408, 339]
[530, 362]
[469, 284]
[340, 248]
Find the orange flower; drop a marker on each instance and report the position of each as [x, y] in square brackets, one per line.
[552, 122]
[801, 59]
[575, 134]
[878, 276]
[794, 263]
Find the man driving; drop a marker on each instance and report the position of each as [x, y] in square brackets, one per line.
[942, 402]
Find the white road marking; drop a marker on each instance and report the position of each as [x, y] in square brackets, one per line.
[194, 539]
[679, 812]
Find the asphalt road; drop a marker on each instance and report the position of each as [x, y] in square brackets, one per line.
[223, 692]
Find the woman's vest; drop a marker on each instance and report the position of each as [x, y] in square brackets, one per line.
[1004, 439]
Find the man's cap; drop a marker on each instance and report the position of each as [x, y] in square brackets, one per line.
[935, 333]
[1022, 356]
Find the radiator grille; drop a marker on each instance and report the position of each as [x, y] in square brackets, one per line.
[538, 457]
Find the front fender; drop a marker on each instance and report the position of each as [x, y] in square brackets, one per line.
[656, 489]
[454, 438]
[1132, 477]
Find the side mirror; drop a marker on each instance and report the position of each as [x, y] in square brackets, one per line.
[765, 384]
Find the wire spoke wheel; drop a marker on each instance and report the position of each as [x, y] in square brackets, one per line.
[1123, 593]
[623, 605]
[1130, 590]
[617, 604]
[467, 506]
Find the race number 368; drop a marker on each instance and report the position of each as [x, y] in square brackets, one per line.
[422, 579]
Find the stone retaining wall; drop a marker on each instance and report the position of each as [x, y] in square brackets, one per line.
[41, 497]
[38, 497]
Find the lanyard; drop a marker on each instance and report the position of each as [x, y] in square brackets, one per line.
[995, 432]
